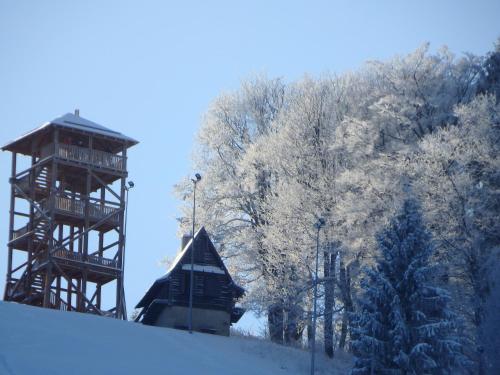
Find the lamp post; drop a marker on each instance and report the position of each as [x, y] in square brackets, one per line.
[191, 275]
[318, 225]
[124, 306]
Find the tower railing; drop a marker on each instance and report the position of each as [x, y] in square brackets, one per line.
[79, 257]
[85, 155]
[76, 207]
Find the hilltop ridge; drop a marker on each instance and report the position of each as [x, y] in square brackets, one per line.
[42, 341]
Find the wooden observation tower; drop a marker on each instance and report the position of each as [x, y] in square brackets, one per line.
[67, 209]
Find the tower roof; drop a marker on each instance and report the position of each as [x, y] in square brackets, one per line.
[72, 122]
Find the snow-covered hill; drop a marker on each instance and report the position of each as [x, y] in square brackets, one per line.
[41, 341]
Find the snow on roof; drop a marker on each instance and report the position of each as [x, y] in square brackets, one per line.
[72, 121]
[76, 122]
[179, 256]
[203, 268]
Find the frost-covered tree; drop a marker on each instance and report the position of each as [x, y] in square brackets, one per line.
[405, 99]
[404, 325]
[416, 93]
[299, 153]
[230, 196]
[455, 174]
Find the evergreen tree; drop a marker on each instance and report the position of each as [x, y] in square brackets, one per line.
[404, 325]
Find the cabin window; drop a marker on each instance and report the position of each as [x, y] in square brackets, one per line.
[198, 284]
[212, 288]
[185, 282]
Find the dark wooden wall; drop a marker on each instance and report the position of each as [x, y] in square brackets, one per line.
[211, 290]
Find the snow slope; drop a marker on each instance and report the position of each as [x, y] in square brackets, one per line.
[41, 341]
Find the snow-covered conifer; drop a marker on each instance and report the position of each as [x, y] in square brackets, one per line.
[404, 325]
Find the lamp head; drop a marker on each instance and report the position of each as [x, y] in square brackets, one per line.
[131, 184]
[198, 178]
[320, 223]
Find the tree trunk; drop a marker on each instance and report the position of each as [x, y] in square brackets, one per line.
[345, 291]
[309, 330]
[275, 323]
[329, 259]
[294, 326]
[343, 329]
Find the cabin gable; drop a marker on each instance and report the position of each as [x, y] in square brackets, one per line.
[213, 288]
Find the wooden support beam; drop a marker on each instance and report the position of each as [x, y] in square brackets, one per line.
[82, 296]
[14, 270]
[92, 227]
[86, 230]
[38, 164]
[50, 232]
[105, 185]
[58, 291]
[98, 300]
[120, 292]
[101, 250]
[11, 219]
[32, 202]
[69, 294]
[20, 213]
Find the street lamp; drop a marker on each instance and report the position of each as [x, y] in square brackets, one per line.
[124, 306]
[191, 275]
[318, 225]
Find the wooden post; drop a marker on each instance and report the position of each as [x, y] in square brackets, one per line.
[31, 195]
[53, 192]
[79, 298]
[70, 286]
[11, 222]
[58, 278]
[69, 295]
[119, 280]
[58, 291]
[88, 185]
[100, 251]
[86, 235]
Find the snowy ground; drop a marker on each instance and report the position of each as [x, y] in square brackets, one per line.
[41, 341]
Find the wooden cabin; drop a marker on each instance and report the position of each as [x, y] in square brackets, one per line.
[166, 303]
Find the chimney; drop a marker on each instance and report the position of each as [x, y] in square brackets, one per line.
[77, 112]
[185, 239]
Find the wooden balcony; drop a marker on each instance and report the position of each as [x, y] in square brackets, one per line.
[85, 156]
[98, 269]
[90, 259]
[68, 210]
[75, 208]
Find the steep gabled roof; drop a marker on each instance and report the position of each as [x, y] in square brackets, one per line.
[71, 121]
[153, 290]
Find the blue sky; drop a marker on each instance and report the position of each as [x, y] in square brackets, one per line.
[150, 69]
